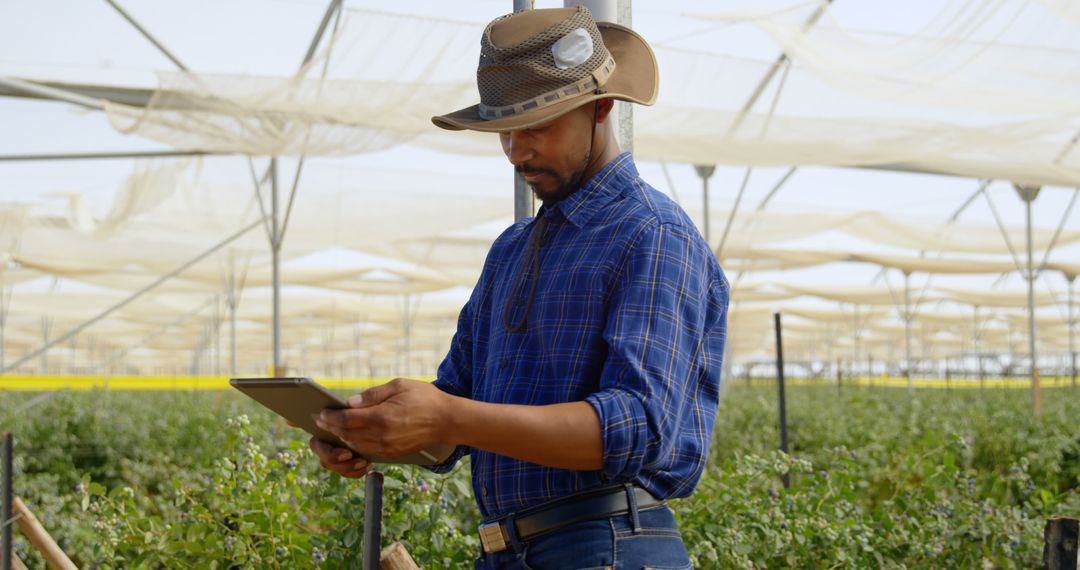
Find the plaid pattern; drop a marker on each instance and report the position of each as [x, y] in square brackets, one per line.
[630, 315]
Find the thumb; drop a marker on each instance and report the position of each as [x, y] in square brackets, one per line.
[372, 396]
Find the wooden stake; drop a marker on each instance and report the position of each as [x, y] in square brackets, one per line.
[37, 535]
[395, 557]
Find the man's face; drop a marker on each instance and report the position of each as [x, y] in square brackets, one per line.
[552, 157]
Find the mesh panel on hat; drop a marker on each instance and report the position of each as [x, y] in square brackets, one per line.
[523, 71]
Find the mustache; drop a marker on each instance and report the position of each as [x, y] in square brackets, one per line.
[525, 169]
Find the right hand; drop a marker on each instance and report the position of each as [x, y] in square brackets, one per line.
[344, 462]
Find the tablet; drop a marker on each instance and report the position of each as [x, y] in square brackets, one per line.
[300, 400]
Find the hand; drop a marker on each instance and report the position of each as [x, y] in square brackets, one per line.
[398, 418]
[341, 461]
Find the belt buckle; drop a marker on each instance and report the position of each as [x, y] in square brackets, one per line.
[491, 537]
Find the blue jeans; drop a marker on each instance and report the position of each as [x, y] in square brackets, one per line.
[609, 543]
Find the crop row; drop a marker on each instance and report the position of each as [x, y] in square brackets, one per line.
[176, 479]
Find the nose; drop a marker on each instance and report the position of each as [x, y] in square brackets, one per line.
[516, 147]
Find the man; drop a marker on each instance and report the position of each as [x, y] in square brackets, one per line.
[584, 376]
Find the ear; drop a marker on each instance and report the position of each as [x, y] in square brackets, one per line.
[603, 109]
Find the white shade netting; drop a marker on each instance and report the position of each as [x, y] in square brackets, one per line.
[971, 107]
[376, 262]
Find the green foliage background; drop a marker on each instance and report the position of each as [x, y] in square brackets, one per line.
[960, 479]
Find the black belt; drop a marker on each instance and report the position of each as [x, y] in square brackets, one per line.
[535, 521]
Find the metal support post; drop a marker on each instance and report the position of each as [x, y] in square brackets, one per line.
[275, 247]
[705, 171]
[731, 215]
[780, 387]
[524, 202]
[373, 499]
[46, 326]
[1072, 331]
[617, 12]
[6, 517]
[232, 300]
[976, 337]
[624, 17]
[1028, 194]
[907, 333]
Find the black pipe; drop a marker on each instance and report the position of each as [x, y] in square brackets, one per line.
[6, 519]
[373, 495]
[783, 400]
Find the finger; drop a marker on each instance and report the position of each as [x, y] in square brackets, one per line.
[357, 473]
[352, 469]
[340, 467]
[376, 395]
[331, 453]
[291, 424]
[350, 419]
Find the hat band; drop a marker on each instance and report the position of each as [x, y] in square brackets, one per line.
[594, 81]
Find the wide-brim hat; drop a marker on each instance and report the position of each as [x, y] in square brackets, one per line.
[538, 65]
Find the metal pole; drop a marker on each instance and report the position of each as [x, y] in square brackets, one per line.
[147, 35]
[1028, 195]
[626, 110]
[334, 6]
[407, 324]
[760, 88]
[907, 333]
[1072, 333]
[47, 92]
[107, 155]
[734, 210]
[134, 296]
[602, 10]
[232, 301]
[705, 171]
[6, 518]
[275, 247]
[617, 12]
[45, 326]
[978, 353]
[780, 387]
[373, 499]
[524, 203]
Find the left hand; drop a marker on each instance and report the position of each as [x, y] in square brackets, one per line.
[398, 418]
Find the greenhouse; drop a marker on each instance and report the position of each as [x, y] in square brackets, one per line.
[206, 190]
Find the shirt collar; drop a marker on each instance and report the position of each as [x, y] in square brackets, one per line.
[579, 207]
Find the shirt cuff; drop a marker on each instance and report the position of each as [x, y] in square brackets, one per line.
[623, 430]
[447, 465]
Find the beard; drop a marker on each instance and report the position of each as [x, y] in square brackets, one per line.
[565, 185]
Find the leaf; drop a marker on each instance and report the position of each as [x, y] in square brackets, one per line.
[351, 536]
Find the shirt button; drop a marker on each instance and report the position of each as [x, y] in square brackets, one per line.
[483, 491]
[503, 364]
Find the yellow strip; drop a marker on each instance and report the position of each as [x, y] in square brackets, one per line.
[46, 383]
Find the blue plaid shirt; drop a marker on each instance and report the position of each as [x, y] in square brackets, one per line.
[629, 315]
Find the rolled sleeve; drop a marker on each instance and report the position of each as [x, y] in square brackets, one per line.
[651, 400]
[623, 431]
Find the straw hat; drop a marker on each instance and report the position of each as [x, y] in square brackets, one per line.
[538, 65]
